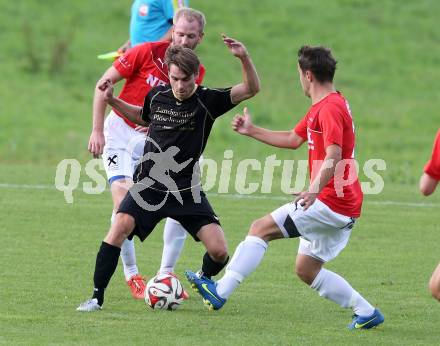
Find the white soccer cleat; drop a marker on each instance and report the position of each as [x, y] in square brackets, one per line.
[89, 305]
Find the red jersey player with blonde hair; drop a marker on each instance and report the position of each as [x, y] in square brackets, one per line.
[324, 215]
[428, 184]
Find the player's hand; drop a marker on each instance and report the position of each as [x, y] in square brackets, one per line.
[237, 48]
[305, 199]
[106, 86]
[96, 143]
[143, 129]
[243, 123]
[123, 48]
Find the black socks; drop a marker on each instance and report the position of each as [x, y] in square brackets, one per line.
[106, 263]
[211, 268]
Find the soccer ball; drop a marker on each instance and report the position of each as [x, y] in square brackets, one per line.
[164, 292]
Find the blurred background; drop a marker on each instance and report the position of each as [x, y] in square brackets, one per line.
[388, 55]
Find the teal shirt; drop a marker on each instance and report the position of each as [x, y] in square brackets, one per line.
[151, 19]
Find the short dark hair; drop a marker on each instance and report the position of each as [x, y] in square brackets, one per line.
[319, 61]
[184, 58]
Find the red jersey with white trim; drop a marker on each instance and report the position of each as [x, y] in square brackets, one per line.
[143, 68]
[330, 122]
[432, 168]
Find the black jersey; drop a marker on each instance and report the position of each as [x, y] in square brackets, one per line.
[177, 136]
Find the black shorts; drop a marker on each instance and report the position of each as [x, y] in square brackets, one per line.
[157, 205]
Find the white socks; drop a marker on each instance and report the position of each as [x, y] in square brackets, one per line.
[248, 256]
[174, 236]
[128, 256]
[334, 287]
[246, 259]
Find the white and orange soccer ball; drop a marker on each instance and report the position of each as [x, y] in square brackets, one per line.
[164, 292]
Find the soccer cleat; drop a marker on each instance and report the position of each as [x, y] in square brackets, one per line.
[206, 288]
[137, 286]
[89, 306]
[368, 322]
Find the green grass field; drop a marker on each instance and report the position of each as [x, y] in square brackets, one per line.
[388, 53]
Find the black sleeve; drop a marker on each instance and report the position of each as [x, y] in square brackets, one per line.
[145, 114]
[218, 101]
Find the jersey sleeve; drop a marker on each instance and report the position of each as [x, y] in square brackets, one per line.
[301, 128]
[129, 63]
[217, 101]
[331, 121]
[432, 168]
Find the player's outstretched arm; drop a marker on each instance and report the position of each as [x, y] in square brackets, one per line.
[281, 139]
[96, 141]
[250, 85]
[131, 112]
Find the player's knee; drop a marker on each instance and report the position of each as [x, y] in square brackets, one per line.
[123, 225]
[219, 254]
[257, 229]
[304, 274]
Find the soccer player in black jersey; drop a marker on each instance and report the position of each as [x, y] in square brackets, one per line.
[167, 180]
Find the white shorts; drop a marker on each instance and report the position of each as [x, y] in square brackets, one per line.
[123, 148]
[323, 233]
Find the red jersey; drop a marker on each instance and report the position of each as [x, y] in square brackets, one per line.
[432, 168]
[143, 68]
[329, 122]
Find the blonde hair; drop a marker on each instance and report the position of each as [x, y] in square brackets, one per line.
[190, 14]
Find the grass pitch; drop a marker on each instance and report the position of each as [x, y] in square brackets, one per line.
[388, 58]
[50, 247]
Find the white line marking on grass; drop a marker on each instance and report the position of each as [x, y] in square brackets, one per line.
[236, 196]
[28, 187]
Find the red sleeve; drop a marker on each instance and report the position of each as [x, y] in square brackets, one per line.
[331, 122]
[129, 63]
[199, 80]
[301, 128]
[432, 168]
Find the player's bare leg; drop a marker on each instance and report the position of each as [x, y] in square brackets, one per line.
[216, 255]
[135, 282]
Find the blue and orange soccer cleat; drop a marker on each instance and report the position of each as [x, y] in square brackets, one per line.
[206, 288]
[367, 322]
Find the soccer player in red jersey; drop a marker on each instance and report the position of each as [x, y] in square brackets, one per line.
[324, 215]
[121, 143]
[428, 184]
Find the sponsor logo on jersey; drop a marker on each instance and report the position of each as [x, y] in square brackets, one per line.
[124, 62]
[154, 81]
[143, 10]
